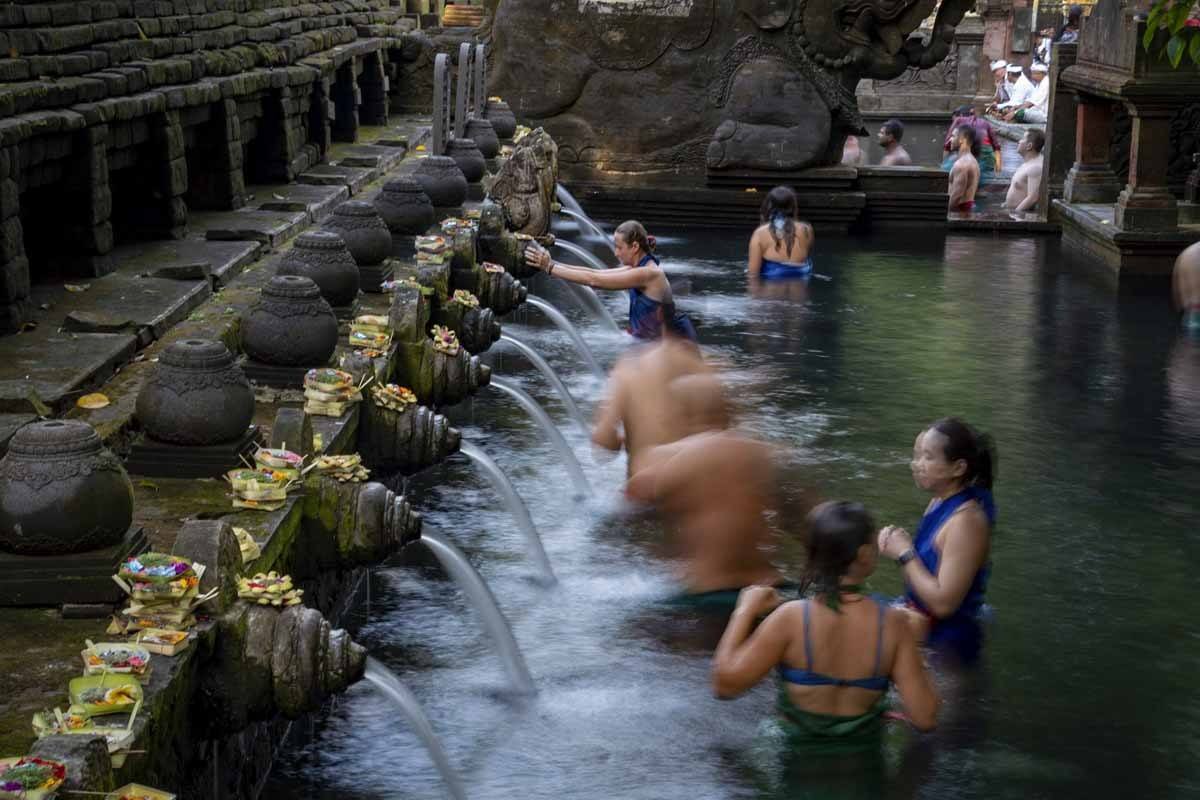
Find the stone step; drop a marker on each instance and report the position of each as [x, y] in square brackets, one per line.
[315, 200]
[370, 156]
[50, 368]
[353, 178]
[269, 228]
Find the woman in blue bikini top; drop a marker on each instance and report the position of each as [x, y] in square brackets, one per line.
[836, 652]
[779, 248]
[946, 567]
[651, 305]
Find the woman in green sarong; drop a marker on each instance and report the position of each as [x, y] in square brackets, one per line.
[837, 652]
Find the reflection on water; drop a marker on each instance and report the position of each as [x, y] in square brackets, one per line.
[1086, 687]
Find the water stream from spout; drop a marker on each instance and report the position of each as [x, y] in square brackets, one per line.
[516, 506]
[543, 366]
[481, 597]
[591, 258]
[539, 415]
[587, 293]
[585, 220]
[566, 327]
[386, 681]
[566, 199]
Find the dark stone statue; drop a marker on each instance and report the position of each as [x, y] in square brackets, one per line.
[690, 85]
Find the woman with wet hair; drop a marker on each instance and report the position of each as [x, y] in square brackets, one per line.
[651, 305]
[946, 566]
[836, 652]
[779, 248]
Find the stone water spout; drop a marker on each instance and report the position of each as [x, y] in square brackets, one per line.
[359, 523]
[499, 245]
[405, 441]
[476, 326]
[264, 660]
[525, 185]
[440, 373]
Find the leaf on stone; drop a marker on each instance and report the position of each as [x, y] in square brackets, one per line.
[148, 485]
[278, 196]
[77, 288]
[27, 326]
[141, 33]
[13, 53]
[40, 408]
[94, 400]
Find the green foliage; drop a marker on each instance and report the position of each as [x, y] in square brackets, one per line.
[1177, 17]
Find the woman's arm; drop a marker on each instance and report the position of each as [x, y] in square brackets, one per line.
[619, 278]
[964, 549]
[739, 663]
[911, 676]
[754, 258]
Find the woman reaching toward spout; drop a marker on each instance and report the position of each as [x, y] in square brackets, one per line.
[837, 652]
[651, 305]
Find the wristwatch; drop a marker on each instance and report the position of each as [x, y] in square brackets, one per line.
[905, 557]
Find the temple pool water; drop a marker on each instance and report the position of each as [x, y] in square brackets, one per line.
[1086, 687]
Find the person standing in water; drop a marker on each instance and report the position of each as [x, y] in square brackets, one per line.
[836, 652]
[779, 248]
[1185, 280]
[714, 487]
[651, 305]
[1027, 180]
[946, 567]
[894, 154]
[638, 413]
[964, 175]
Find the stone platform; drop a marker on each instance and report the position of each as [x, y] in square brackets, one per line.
[1126, 254]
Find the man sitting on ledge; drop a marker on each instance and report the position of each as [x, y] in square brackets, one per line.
[1017, 87]
[1037, 105]
[1027, 180]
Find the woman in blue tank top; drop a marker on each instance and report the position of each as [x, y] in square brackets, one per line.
[836, 652]
[946, 566]
[651, 305]
[779, 248]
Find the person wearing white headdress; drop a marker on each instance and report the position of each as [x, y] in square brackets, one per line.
[1037, 105]
[1002, 86]
[1019, 87]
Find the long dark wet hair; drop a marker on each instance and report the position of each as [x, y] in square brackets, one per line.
[965, 443]
[779, 209]
[836, 530]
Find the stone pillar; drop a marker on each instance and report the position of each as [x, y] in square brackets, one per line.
[1146, 203]
[346, 99]
[168, 135]
[15, 305]
[321, 114]
[374, 88]
[90, 234]
[1059, 152]
[278, 142]
[973, 79]
[997, 28]
[1091, 179]
[217, 182]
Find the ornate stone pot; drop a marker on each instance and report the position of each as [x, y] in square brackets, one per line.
[360, 225]
[290, 324]
[483, 134]
[324, 257]
[468, 158]
[405, 207]
[502, 118]
[61, 491]
[442, 180]
[197, 396]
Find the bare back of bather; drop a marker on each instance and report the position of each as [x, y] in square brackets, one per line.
[638, 400]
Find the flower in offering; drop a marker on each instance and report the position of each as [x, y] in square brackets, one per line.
[269, 588]
[444, 340]
[495, 269]
[465, 298]
[31, 774]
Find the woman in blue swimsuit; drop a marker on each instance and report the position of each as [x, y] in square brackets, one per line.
[779, 248]
[650, 302]
[838, 651]
[946, 566]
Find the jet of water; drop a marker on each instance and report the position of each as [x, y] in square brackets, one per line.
[535, 410]
[544, 367]
[516, 506]
[566, 327]
[481, 597]
[386, 681]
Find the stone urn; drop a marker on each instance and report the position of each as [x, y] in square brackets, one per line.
[363, 230]
[197, 396]
[442, 180]
[290, 324]
[323, 257]
[483, 134]
[405, 207]
[504, 122]
[468, 158]
[61, 491]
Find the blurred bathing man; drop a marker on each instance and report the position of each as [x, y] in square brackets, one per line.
[1027, 180]
[889, 139]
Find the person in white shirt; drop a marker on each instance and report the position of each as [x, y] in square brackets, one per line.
[1002, 86]
[1019, 87]
[1037, 104]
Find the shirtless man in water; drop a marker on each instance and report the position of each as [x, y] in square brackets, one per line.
[638, 399]
[964, 175]
[714, 487]
[1027, 180]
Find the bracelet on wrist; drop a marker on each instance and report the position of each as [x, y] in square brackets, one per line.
[905, 557]
[550, 269]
